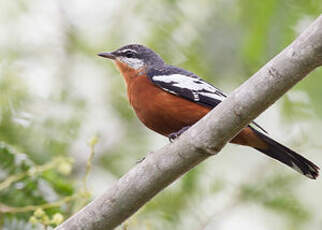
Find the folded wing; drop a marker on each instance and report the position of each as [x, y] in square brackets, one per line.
[189, 86]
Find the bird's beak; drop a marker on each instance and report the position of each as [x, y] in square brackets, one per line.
[107, 55]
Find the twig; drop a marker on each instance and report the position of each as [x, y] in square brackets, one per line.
[35, 170]
[9, 209]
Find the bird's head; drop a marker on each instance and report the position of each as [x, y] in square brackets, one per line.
[134, 56]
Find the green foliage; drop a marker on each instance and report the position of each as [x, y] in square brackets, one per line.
[55, 93]
[276, 194]
[24, 185]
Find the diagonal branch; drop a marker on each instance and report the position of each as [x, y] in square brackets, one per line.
[205, 138]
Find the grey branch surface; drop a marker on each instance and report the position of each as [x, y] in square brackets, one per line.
[205, 138]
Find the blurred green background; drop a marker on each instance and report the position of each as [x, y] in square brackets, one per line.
[56, 94]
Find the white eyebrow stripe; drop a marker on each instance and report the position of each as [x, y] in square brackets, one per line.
[197, 86]
[125, 50]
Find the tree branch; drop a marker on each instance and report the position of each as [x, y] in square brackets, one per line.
[205, 138]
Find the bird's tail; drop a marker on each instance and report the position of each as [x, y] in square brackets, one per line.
[288, 156]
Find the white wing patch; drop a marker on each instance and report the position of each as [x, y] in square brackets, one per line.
[197, 86]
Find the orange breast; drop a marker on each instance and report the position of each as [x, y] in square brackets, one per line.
[161, 111]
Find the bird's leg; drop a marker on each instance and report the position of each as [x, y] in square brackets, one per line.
[175, 135]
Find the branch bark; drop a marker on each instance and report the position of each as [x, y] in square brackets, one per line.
[205, 138]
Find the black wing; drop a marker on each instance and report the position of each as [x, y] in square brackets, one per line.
[185, 84]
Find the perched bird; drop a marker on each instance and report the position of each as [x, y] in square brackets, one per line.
[169, 100]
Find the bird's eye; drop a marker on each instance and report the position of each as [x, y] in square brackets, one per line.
[129, 54]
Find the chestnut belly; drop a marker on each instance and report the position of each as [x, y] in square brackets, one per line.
[166, 113]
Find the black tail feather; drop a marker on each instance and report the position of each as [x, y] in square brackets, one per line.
[288, 157]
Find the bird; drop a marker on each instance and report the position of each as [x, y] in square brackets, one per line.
[168, 100]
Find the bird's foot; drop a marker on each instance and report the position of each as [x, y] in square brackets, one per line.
[175, 135]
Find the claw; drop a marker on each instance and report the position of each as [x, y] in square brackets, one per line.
[172, 136]
[175, 135]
